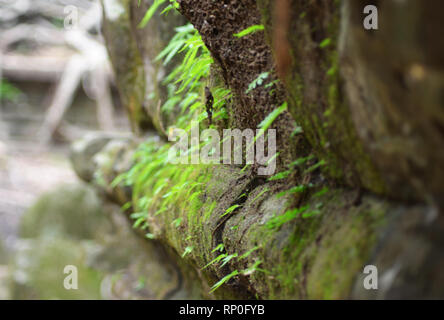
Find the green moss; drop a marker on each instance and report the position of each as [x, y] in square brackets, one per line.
[311, 256]
[45, 263]
[72, 210]
[322, 111]
[343, 253]
[319, 256]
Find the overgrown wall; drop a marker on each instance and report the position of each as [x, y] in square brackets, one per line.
[369, 117]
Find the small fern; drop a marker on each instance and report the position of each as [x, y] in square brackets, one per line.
[224, 280]
[257, 82]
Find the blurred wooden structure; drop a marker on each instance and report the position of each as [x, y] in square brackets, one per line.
[67, 55]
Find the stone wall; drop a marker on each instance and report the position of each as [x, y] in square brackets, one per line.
[369, 104]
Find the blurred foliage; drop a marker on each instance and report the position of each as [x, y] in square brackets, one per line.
[8, 91]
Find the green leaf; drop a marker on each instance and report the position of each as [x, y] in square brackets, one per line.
[150, 12]
[280, 176]
[316, 166]
[217, 259]
[253, 268]
[8, 91]
[289, 215]
[257, 82]
[177, 222]
[301, 161]
[296, 189]
[325, 43]
[228, 259]
[254, 28]
[321, 192]
[268, 121]
[260, 194]
[230, 209]
[220, 247]
[168, 9]
[138, 222]
[187, 251]
[126, 206]
[224, 280]
[246, 254]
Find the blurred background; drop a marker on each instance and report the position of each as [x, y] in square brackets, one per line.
[56, 85]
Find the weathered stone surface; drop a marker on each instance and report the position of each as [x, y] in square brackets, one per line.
[151, 40]
[241, 61]
[72, 226]
[72, 211]
[37, 270]
[317, 255]
[319, 252]
[83, 149]
[394, 83]
[126, 60]
[409, 257]
[307, 50]
[133, 50]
